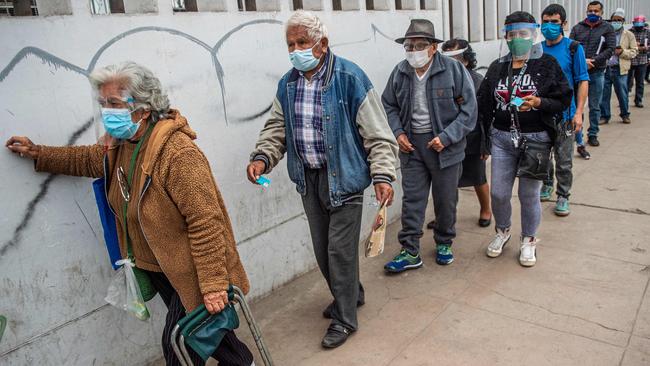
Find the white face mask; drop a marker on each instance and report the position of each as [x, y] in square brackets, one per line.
[418, 59]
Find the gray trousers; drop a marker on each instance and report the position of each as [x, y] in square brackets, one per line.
[563, 153]
[421, 173]
[335, 235]
[505, 159]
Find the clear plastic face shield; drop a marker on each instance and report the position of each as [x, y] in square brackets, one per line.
[521, 41]
[116, 116]
[455, 54]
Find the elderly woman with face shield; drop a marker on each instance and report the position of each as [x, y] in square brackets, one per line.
[521, 101]
[171, 219]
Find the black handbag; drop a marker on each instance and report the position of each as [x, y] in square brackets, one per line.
[534, 159]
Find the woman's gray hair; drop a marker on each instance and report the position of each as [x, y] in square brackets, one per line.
[139, 82]
[315, 28]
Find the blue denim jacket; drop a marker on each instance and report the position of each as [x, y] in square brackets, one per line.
[360, 145]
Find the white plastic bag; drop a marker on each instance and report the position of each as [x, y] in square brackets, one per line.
[124, 292]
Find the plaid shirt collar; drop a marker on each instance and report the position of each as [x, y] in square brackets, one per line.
[310, 143]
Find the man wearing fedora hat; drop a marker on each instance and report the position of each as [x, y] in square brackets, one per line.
[431, 106]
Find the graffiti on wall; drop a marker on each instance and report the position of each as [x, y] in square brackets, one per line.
[58, 62]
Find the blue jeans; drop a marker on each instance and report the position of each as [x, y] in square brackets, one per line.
[579, 140]
[505, 159]
[596, 81]
[614, 78]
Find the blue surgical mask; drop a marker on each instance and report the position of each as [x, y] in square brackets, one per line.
[638, 24]
[593, 18]
[304, 60]
[617, 25]
[118, 123]
[551, 31]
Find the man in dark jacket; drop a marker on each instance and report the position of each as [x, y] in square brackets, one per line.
[430, 127]
[599, 41]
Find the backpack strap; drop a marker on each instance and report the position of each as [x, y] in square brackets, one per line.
[573, 48]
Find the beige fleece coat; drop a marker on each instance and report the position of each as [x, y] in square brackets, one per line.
[182, 213]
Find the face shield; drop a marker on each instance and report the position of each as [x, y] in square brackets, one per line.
[114, 120]
[456, 54]
[521, 41]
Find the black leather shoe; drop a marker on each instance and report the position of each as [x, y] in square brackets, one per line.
[336, 335]
[593, 141]
[431, 224]
[327, 313]
[639, 105]
[484, 222]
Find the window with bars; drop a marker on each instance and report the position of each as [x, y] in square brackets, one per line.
[307, 4]
[107, 6]
[378, 4]
[405, 4]
[18, 8]
[345, 5]
[246, 5]
[184, 6]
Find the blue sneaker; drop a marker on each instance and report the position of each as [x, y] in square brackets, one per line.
[403, 261]
[545, 193]
[562, 207]
[444, 255]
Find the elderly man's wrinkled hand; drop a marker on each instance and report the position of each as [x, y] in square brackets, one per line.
[384, 193]
[215, 302]
[254, 170]
[23, 146]
[405, 145]
[436, 144]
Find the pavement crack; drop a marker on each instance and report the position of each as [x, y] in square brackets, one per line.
[636, 210]
[557, 313]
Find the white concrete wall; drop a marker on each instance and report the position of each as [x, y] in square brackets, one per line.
[221, 70]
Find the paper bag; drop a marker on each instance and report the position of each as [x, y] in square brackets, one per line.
[375, 244]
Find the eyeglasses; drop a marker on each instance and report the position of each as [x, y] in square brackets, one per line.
[115, 102]
[125, 189]
[420, 46]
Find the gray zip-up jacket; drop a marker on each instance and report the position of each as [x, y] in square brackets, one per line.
[448, 81]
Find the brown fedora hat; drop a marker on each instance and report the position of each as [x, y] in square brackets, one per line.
[419, 28]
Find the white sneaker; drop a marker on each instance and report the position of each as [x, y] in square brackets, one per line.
[527, 251]
[496, 246]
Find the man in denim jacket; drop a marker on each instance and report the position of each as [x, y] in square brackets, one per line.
[431, 105]
[328, 119]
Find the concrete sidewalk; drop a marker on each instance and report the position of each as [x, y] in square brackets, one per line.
[586, 302]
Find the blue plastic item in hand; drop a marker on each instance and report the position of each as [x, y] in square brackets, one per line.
[264, 181]
[108, 222]
[517, 102]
